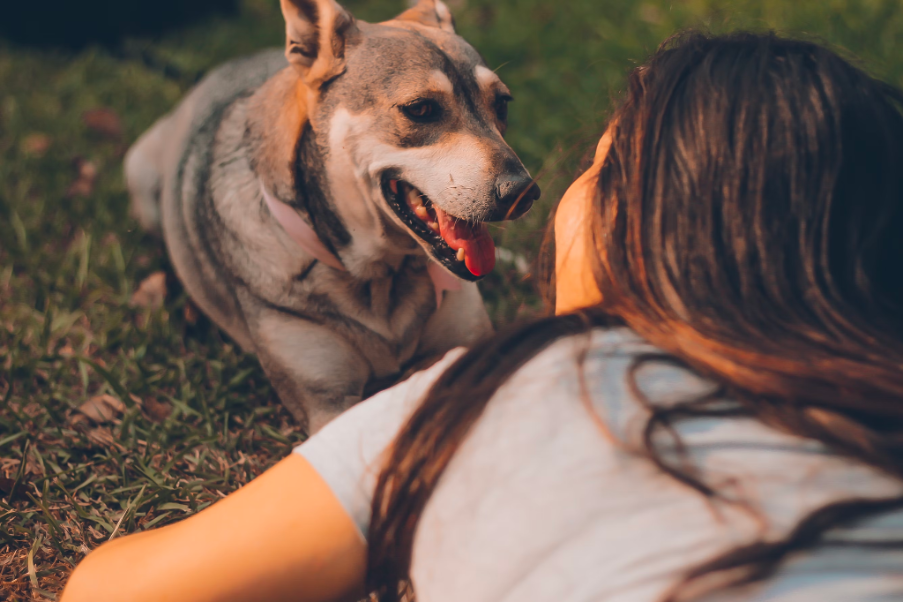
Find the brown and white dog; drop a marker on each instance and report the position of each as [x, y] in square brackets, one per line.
[307, 204]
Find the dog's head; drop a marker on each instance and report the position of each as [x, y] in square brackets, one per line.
[410, 123]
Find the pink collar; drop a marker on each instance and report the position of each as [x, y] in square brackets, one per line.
[305, 237]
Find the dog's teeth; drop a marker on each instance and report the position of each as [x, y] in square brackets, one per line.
[414, 199]
[421, 212]
[460, 255]
[394, 186]
[432, 225]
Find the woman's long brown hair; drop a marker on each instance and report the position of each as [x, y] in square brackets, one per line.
[747, 224]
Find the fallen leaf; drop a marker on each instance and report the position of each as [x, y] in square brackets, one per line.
[6, 489]
[102, 408]
[33, 467]
[151, 292]
[190, 313]
[101, 436]
[83, 185]
[103, 121]
[158, 411]
[36, 145]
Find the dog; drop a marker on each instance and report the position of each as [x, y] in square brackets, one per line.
[326, 204]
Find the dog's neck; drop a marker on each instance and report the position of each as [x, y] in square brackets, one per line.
[277, 112]
[284, 154]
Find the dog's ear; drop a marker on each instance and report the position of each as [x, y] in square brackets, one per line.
[317, 32]
[432, 13]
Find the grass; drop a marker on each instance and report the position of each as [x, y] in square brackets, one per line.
[186, 417]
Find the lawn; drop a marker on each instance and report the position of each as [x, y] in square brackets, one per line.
[122, 409]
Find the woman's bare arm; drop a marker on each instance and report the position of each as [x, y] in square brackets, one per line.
[284, 536]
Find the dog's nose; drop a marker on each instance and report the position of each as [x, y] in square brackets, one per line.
[516, 194]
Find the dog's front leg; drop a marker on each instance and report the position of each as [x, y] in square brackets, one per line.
[316, 372]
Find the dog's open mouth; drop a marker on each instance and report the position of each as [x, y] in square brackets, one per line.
[464, 247]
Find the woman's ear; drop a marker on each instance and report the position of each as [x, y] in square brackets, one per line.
[432, 13]
[317, 32]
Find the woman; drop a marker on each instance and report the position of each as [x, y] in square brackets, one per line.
[714, 413]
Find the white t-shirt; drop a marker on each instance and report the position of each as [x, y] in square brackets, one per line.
[540, 504]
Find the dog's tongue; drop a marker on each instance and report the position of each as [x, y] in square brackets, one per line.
[474, 239]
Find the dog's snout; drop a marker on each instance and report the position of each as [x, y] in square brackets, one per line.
[515, 194]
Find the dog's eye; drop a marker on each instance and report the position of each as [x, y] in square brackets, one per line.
[422, 111]
[502, 107]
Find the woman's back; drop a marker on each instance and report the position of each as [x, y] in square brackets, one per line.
[540, 504]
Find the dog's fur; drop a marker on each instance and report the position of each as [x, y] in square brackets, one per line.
[322, 131]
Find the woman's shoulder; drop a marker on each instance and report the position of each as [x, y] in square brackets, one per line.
[613, 367]
[347, 452]
[608, 350]
[598, 343]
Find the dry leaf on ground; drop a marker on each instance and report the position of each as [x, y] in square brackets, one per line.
[6, 489]
[102, 408]
[104, 121]
[36, 144]
[101, 436]
[151, 292]
[83, 185]
[158, 411]
[6, 485]
[190, 313]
